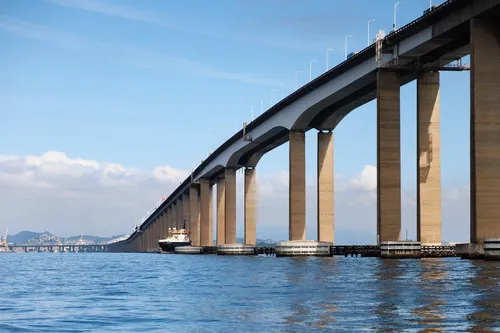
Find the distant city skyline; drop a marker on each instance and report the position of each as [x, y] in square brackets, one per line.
[106, 108]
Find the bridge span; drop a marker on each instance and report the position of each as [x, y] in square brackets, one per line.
[417, 51]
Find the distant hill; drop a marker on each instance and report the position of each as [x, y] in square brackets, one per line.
[23, 237]
[96, 239]
[26, 237]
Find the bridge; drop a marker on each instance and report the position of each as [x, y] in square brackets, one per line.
[58, 248]
[434, 42]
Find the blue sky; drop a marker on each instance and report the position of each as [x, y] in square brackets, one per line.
[149, 83]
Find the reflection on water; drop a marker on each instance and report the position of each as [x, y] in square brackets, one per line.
[485, 287]
[103, 292]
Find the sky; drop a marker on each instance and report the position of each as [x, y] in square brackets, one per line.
[106, 106]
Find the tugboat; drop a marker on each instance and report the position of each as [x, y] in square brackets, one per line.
[176, 237]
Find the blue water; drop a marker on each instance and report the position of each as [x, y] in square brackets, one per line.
[107, 292]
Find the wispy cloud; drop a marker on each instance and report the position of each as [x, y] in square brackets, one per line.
[282, 41]
[128, 13]
[38, 32]
[128, 55]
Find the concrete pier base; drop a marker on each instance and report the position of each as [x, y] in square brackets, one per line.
[492, 249]
[303, 248]
[400, 250]
[188, 250]
[236, 250]
[470, 250]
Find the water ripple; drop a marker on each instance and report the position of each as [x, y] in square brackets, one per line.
[105, 292]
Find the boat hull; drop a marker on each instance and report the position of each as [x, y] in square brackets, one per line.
[170, 246]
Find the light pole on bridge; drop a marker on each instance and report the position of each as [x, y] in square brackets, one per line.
[371, 20]
[296, 79]
[345, 45]
[395, 6]
[327, 52]
[310, 69]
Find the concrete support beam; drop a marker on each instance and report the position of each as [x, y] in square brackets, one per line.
[485, 129]
[185, 209]
[297, 189]
[230, 206]
[194, 214]
[169, 219]
[428, 159]
[206, 238]
[388, 157]
[174, 215]
[250, 207]
[179, 213]
[221, 211]
[325, 187]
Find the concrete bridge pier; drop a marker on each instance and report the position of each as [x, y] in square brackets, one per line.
[230, 206]
[325, 187]
[221, 210]
[388, 157]
[250, 206]
[297, 186]
[206, 228]
[185, 209]
[194, 214]
[297, 244]
[484, 136]
[179, 213]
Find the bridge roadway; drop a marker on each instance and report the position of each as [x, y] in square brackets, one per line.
[417, 51]
[58, 248]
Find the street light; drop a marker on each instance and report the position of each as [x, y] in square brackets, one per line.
[272, 95]
[296, 79]
[252, 111]
[261, 106]
[396, 6]
[345, 45]
[327, 50]
[372, 20]
[310, 69]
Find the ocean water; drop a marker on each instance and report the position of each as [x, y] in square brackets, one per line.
[111, 292]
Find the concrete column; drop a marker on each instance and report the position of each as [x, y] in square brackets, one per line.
[230, 206]
[169, 218]
[250, 207]
[325, 187]
[148, 237]
[485, 129]
[174, 214]
[297, 189]
[428, 159]
[185, 208]
[194, 214]
[221, 211]
[179, 213]
[210, 216]
[388, 157]
[205, 213]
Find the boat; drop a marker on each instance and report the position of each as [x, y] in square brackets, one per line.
[176, 237]
[4, 246]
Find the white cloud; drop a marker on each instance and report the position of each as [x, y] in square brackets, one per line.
[367, 179]
[68, 195]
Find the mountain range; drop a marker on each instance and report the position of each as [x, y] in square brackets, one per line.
[24, 237]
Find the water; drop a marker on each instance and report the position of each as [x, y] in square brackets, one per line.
[106, 292]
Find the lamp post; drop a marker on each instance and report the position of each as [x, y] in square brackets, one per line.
[296, 79]
[327, 51]
[396, 6]
[345, 45]
[372, 20]
[310, 69]
[253, 106]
